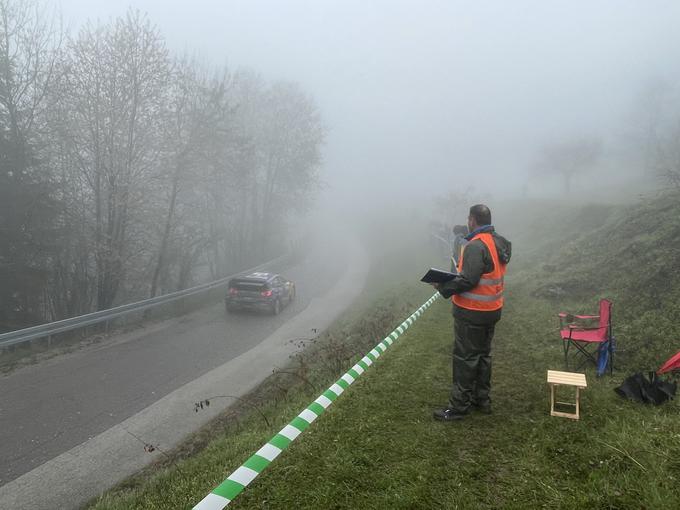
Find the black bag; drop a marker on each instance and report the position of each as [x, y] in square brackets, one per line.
[649, 391]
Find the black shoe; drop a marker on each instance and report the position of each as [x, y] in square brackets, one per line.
[448, 415]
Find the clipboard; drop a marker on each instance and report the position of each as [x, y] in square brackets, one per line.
[438, 276]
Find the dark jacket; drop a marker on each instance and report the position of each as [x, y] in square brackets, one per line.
[476, 262]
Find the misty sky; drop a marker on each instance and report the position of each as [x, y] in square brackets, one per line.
[415, 93]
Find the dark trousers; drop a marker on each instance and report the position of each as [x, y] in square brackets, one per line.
[471, 365]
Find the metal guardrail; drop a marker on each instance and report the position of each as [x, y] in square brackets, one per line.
[52, 328]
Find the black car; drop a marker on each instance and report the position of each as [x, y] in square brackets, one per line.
[259, 291]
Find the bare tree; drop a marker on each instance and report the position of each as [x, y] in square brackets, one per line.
[29, 46]
[116, 81]
[657, 133]
[453, 207]
[288, 135]
[666, 156]
[568, 158]
[197, 136]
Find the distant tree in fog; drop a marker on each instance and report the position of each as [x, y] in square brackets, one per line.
[666, 157]
[190, 129]
[656, 120]
[113, 95]
[652, 111]
[290, 144]
[286, 134]
[200, 175]
[567, 158]
[453, 207]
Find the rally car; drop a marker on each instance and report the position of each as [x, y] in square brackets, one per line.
[259, 291]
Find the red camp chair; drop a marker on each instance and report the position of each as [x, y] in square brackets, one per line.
[593, 342]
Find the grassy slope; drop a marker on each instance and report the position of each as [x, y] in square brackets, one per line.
[630, 254]
[377, 446]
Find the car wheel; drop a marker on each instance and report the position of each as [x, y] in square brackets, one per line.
[276, 307]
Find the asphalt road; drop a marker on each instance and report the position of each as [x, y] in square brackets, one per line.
[48, 408]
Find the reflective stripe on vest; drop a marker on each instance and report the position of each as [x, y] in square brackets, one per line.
[488, 294]
[489, 281]
[480, 297]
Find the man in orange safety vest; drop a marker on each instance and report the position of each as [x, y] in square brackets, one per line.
[477, 295]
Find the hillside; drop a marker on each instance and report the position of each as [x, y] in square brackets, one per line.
[629, 254]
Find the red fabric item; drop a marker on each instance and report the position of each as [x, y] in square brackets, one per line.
[597, 334]
[584, 335]
[672, 364]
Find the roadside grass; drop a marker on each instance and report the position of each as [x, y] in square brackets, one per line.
[378, 447]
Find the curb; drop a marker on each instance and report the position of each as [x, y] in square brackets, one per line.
[234, 484]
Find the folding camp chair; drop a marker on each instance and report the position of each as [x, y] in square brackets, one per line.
[593, 343]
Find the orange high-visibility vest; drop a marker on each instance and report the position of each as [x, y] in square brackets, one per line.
[487, 296]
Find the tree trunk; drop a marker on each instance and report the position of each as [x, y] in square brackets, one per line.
[166, 230]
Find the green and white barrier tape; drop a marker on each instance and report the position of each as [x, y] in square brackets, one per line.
[225, 493]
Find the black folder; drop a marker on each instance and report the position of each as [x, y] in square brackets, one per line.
[437, 276]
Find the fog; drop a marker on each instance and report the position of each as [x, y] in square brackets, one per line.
[419, 98]
[169, 143]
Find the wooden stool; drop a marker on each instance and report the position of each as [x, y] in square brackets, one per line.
[556, 378]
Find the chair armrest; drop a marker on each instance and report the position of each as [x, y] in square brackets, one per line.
[566, 319]
[580, 322]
